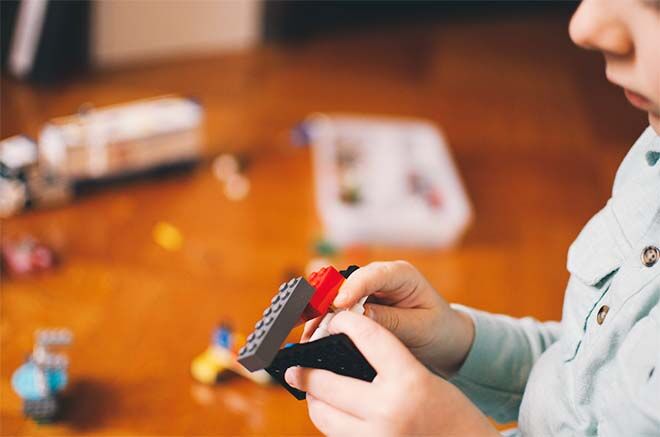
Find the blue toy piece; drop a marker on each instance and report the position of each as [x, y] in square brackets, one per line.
[300, 135]
[223, 337]
[32, 383]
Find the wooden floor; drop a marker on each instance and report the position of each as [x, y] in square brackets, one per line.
[536, 132]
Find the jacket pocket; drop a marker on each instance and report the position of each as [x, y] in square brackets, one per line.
[593, 260]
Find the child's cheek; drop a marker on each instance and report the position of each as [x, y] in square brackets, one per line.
[647, 42]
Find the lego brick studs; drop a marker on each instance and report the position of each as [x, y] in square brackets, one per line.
[277, 321]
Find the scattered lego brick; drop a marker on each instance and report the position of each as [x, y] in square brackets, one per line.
[167, 236]
[423, 187]
[18, 159]
[228, 170]
[225, 166]
[237, 187]
[277, 321]
[40, 380]
[223, 336]
[26, 256]
[299, 135]
[41, 410]
[336, 353]
[350, 194]
[13, 196]
[324, 248]
[220, 359]
[326, 281]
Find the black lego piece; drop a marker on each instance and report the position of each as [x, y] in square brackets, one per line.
[336, 353]
[277, 322]
[348, 271]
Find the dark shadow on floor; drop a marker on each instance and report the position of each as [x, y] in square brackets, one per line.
[87, 404]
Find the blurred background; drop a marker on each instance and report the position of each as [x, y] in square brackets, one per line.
[143, 227]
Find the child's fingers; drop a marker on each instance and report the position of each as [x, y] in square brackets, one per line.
[407, 325]
[333, 422]
[350, 395]
[310, 327]
[381, 277]
[378, 345]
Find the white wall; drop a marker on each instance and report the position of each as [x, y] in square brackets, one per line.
[127, 31]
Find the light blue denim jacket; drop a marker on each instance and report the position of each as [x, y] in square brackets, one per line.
[597, 372]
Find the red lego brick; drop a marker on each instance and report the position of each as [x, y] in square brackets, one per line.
[326, 282]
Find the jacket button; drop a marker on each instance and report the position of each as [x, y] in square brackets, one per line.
[650, 256]
[602, 313]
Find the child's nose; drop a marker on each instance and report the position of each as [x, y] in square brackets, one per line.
[596, 26]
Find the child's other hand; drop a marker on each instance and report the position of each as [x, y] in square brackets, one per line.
[404, 398]
[404, 302]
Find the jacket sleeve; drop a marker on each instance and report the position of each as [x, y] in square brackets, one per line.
[498, 365]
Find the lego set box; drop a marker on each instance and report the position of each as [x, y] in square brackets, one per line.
[388, 181]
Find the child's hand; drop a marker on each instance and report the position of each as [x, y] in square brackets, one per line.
[404, 398]
[406, 304]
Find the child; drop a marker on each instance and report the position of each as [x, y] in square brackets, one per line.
[596, 372]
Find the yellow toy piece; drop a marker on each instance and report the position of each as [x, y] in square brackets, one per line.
[210, 364]
[215, 360]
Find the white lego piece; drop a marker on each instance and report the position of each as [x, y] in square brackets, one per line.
[40, 383]
[12, 197]
[322, 330]
[53, 337]
[18, 151]
[46, 338]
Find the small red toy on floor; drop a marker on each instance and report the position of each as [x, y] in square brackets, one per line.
[26, 256]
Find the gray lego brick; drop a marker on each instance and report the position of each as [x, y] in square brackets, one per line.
[277, 321]
[41, 410]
